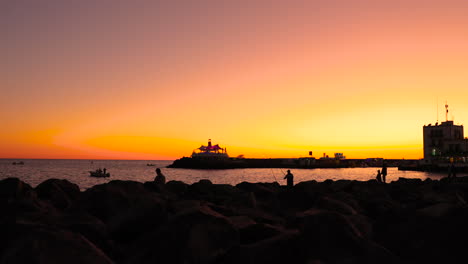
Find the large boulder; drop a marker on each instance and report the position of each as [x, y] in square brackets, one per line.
[328, 232]
[334, 238]
[126, 207]
[305, 194]
[177, 187]
[45, 245]
[437, 210]
[331, 204]
[224, 194]
[60, 193]
[260, 189]
[284, 247]
[14, 188]
[18, 200]
[196, 235]
[92, 229]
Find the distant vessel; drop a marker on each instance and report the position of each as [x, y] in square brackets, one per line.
[99, 173]
[210, 152]
[18, 163]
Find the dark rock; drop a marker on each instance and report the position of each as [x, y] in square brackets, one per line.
[257, 232]
[52, 246]
[197, 235]
[18, 200]
[126, 207]
[220, 194]
[178, 206]
[330, 204]
[92, 229]
[177, 187]
[329, 233]
[281, 248]
[334, 238]
[15, 189]
[262, 216]
[407, 181]
[60, 193]
[306, 193]
[241, 221]
[260, 190]
[437, 210]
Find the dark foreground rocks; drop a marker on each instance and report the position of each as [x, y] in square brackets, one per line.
[405, 221]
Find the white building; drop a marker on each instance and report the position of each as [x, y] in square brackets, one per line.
[444, 141]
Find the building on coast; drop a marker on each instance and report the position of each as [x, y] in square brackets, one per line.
[210, 151]
[444, 142]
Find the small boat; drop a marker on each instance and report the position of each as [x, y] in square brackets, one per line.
[150, 164]
[99, 173]
[18, 163]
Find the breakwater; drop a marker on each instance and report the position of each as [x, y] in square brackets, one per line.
[304, 163]
[405, 221]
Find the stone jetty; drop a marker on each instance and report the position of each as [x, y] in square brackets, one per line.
[405, 221]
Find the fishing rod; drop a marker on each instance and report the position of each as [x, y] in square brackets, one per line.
[282, 171]
[273, 175]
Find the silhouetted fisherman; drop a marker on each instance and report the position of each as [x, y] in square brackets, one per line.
[289, 179]
[104, 170]
[384, 172]
[379, 176]
[160, 178]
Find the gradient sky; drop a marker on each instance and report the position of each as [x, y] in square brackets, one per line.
[156, 79]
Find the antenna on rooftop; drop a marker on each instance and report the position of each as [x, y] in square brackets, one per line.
[446, 111]
[437, 100]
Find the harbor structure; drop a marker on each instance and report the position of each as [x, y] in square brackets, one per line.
[210, 151]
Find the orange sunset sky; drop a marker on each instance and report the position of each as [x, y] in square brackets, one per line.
[156, 79]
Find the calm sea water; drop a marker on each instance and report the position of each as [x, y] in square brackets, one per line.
[34, 172]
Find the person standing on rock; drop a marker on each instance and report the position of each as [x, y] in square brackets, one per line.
[289, 179]
[379, 176]
[384, 172]
[160, 178]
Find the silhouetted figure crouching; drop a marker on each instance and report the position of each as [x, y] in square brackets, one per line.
[160, 178]
[289, 179]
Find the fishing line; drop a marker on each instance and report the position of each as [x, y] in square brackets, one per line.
[272, 172]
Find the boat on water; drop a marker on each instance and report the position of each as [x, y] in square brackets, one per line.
[99, 173]
[150, 164]
[18, 163]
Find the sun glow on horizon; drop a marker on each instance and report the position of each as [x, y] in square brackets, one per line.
[154, 80]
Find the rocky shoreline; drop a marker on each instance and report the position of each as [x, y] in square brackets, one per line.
[405, 221]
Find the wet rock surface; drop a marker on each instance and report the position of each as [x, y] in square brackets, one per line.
[405, 221]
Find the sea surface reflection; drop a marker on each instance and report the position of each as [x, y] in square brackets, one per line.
[34, 172]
